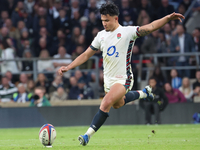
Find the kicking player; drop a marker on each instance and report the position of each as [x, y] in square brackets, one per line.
[116, 43]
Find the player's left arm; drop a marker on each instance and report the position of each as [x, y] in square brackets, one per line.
[157, 24]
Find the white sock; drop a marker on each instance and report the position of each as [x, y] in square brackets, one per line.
[142, 94]
[90, 132]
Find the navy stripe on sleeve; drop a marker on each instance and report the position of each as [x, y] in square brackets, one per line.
[93, 48]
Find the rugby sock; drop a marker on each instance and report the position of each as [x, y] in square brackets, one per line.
[142, 94]
[97, 122]
[131, 96]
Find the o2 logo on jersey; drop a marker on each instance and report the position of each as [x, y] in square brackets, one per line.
[112, 51]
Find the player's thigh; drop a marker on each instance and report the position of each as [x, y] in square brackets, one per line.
[116, 93]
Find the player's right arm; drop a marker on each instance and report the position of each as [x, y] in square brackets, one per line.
[78, 61]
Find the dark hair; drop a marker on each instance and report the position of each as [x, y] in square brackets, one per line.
[184, 28]
[198, 28]
[5, 43]
[152, 78]
[109, 8]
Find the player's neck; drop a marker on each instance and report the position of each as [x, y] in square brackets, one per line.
[117, 25]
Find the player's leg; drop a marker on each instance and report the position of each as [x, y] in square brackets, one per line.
[134, 95]
[117, 91]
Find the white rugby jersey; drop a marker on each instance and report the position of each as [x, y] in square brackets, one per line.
[116, 47]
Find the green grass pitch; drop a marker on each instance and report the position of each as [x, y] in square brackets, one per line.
[126, 137]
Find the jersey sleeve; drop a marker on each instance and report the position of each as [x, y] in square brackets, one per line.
[134, 31]
[95, 43]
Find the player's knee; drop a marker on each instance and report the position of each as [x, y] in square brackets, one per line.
[105, 106]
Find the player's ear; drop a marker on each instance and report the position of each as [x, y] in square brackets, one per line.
[116, 18]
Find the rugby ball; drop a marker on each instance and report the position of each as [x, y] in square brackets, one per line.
[47, 134]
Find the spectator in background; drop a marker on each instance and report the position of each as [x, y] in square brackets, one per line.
[6, 90]
[41, 13]
[30, 86]
[75, 34]
[27, 65]
[73, 42]
[4, 33]
[58, 81]
[197, 83]
[196, 6]
[29, 4]
[43, 82]
[142, 15]
[75, 20]
[46, 4]
[4, 16]
[42, 46]
[196, 37]
[92, 8]
[196, 118]
[176, 81]
[78, 74]
[45, 64]
[74, 90]
[17, 14]
[39, 45]
[94, 21]
[9, 76]
[81, 41]
[150, 46]
[59, 94]
[127, 21]
[60, 40]
[158, 104]
[167, 32]
[145, 5]
[126, 9]
[186, 89]
[173, 24]
[86, 91]
[179, 45]
[181, 9]
[23, 78]
[62, 22]
[66, 59]
[186, 4]
[76, 7]
[173, 95]
[7, 53]
[38, 99]
[21, 96]
[25, 42]
[164, 9]
[8, 5]
[159, 77]
[12, 30]
[85, 30]
[54, 9]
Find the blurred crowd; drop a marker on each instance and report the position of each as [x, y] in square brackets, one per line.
[63, 29]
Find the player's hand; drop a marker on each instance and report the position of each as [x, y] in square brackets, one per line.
[62, 70]
[175, 16]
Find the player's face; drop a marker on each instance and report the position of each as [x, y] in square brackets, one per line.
[109, 22]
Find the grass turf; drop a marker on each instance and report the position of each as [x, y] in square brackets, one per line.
[126, 137]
